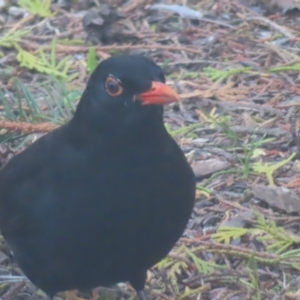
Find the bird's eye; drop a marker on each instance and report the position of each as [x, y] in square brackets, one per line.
[113, 86]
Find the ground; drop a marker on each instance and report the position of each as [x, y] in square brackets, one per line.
[236, 67]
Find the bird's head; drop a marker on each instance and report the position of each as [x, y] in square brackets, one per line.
[125, 90]
[126, 79]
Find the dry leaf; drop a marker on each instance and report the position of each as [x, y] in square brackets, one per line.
[207, 167]
[279, 197]
[248, 121]
[285, 5]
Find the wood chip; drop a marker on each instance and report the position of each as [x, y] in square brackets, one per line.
[279, 197]
[207, 167]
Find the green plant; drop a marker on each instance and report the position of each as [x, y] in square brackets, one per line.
[37, 7]
[203, 267]
[11, 38]
[277, 238]
[226, 234]
[24, 106]
[269, 169]
[43, 64]
[92, 59]
[213, 118]
[182, 131]
[253, 284]
[220, 75]
[251, 150]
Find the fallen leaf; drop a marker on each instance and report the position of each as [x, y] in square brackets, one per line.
[207, 167]
[279, 197]
[248, 121]
[285, 5]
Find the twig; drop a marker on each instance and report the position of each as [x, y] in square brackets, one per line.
[74, 49]
[273, 25]
[129, 7]
[287, 105]
[13, 292]
[21, 23]
[276, 132]
[27, 127]
[57, 36]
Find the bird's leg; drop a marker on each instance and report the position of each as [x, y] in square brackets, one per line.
[138, 280]
[142, 295]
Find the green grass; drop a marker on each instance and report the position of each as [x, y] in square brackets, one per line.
[51, 102]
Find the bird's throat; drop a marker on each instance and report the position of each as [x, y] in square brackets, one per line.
[128, 123]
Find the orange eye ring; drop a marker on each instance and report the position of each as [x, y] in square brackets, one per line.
[113, 86]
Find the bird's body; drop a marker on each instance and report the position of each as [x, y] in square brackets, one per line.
[99, 200]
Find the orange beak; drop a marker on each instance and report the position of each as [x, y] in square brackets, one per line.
[159, 93]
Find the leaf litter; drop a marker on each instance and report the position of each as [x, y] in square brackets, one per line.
[236, 66]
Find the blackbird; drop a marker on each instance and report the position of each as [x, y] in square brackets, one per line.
[105, 196]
